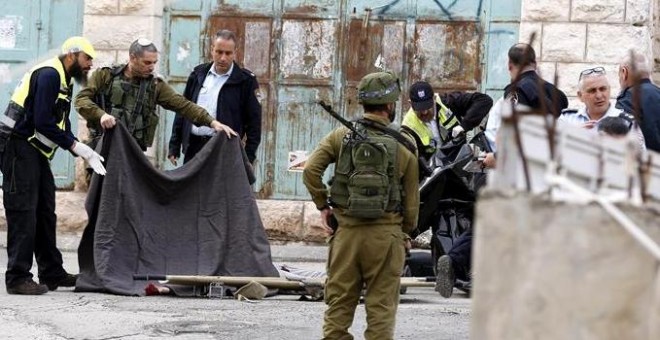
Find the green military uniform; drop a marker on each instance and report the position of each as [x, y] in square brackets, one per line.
[364, 252]
[123, 97]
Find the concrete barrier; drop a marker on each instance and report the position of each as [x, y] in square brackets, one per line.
[549, 270]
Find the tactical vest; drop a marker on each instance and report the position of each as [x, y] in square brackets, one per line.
[15, 111]
[133, 103]
[365, 183]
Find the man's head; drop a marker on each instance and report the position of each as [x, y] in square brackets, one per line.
[594, 91]
[223, 50]
[421, 100]
[76, 55]
[614, 126]
[143, 57]
[378, 92]
[521, 58]
[633, 61]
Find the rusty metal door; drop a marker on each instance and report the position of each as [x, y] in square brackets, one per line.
[303, 50]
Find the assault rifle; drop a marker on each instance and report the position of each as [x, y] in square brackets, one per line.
[341, 119]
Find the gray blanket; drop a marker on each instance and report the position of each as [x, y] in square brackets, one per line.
[200, 219]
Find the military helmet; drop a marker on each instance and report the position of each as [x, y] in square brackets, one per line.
[379, 88]
[78, 44]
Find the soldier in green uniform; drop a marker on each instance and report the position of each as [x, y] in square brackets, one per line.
[374, 214]
[130, 93]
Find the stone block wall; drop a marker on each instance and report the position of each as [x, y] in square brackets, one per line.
[573, 35]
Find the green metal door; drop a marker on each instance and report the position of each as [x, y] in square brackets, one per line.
[305, 50]
[32, 31]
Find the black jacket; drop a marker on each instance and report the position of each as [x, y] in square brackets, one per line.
[470, 107]
[527, 93]
[650, 107]
[238, 107]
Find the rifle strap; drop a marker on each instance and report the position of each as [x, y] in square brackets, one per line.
[392, 133]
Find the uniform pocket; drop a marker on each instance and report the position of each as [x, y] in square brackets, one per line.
[15, 184]
[397, 253]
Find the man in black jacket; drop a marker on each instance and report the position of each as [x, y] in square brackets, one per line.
[229, 93]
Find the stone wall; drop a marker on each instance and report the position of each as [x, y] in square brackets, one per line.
[573, 35]
[656, 43]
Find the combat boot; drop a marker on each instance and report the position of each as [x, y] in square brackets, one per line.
[28, 287]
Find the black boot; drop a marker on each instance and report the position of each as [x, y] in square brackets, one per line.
[28, 287]
[69, 280]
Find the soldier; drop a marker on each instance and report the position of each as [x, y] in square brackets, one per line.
[367, 250]
[130, 93]
[34, 125]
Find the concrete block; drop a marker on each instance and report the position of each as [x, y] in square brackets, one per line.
[601, 38]
[125, 29]
[556, 270]
[283, 220]
[598, 10]
[541, 10]
[141, 7]
[639, 12]
[564, 42]
[101, 7]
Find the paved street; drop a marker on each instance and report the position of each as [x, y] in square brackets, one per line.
[63, 314]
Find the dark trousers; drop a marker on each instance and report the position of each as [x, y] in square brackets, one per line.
[461, 255]
[28, 190]
[195, 144]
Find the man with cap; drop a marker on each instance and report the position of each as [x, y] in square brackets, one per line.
[35, 123]
[434, 118]
[365, 252]
[130, 93]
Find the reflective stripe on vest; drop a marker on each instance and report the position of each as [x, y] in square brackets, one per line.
[39, 141]
[422, 130]
[446, 118]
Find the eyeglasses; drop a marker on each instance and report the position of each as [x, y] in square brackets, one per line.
[595, 70]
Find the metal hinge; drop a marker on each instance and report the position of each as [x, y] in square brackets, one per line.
[39, 24]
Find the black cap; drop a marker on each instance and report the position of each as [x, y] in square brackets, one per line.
[421, 96]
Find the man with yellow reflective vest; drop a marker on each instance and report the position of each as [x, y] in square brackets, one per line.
[35, 123]
[434, 118]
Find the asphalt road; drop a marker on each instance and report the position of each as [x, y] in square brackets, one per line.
[64, 314]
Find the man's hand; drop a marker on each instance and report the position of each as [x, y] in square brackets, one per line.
[325, 217]
[94, 159]
[590, 124]
[172, 159]
[219, 127]
[108, 121]
[457, 130]
[490, 161]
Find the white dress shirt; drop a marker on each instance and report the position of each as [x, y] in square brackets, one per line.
[208, 98]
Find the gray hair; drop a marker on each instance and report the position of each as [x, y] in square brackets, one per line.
[592, 75]
[226, 35]
[641, 63]
[139, 46]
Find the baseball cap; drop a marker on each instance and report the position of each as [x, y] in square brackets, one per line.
[421, 96]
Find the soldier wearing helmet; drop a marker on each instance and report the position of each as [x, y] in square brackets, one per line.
[35, 123]
[373, 213]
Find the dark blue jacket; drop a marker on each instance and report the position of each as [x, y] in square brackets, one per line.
[650, 107]
[527, 93]
[238, 107]
[40, 111]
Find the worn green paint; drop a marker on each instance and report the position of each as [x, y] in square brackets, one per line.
[39, 31]
[309, 51]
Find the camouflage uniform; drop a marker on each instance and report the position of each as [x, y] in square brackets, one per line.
[158, 93]
[364, 253]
